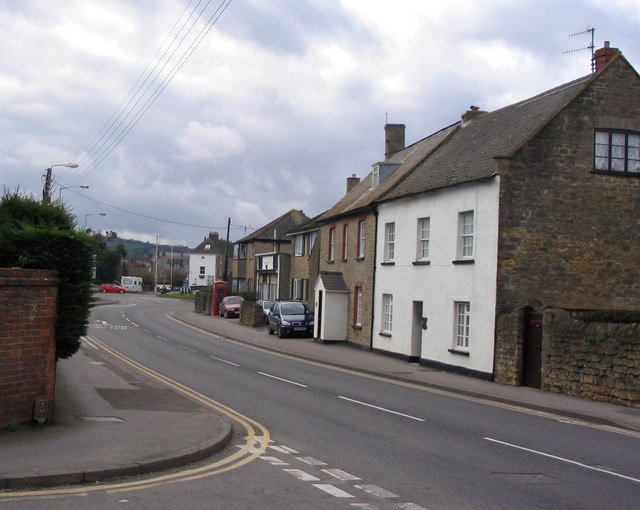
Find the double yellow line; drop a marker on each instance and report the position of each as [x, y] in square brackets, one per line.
[257, 439]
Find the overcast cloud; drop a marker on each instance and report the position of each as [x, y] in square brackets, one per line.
[278, 105]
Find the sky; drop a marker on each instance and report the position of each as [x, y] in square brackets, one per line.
[180, 123]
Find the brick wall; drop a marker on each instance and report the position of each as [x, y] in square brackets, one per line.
[595, 360]
[27, 343]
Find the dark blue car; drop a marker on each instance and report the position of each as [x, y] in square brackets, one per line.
[290, 318]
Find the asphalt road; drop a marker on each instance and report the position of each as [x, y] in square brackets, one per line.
[342, 440]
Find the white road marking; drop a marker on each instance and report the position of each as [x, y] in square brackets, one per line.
[364, 506]
[341, 475]
[302, 475]
[569, 461]
[311, 461]
[283, 449]
[381, 408]
[224, 361]
[377, 491]
[283, 380]
[249, 448]
[162, 338]
[133, 323]
[334, 491]
[89, 343]
[410, 506]
[274, 461]
[187, 348]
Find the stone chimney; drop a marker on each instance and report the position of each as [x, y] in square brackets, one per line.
[602, 56]
[352, 182]
[214, 235]
[393, 139]
[471, 113]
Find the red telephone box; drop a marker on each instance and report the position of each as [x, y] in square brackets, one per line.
[219, 291]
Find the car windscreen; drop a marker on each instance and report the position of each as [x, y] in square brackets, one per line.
[293, 309]
[233, 301]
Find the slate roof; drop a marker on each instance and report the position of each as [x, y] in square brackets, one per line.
[278, 228]
[333, 281]
[470, 153]
[218, 246]
[461, 152]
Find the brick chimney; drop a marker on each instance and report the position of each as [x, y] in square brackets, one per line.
[352, 182]
[471, 113]
[602, 56]
[214, 235]
[393, 139]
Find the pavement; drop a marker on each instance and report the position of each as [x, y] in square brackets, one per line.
[112, 421]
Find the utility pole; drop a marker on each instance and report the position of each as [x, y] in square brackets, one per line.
[226, 253]
[48, 181]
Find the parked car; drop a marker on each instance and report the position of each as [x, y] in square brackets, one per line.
[266, 306]
[230, 306]
[112, 287]
[290, 317]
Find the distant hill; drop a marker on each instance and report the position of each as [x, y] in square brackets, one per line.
[142, 249]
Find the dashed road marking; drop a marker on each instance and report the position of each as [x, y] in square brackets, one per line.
[224, 361]
[283, 449]
[378, 492]
[333, 490]
[341, 475]
[311, 461]
[274, 461]
[302, 475]
[283, 380]
[380, 408]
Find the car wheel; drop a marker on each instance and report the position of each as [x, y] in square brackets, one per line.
[269, 328]
[280, 332]
[225, 315]
[103, 291]
[120, 291]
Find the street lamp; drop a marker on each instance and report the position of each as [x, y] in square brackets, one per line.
[155, 278]
[91, 214]
[82, 186]
[46, 191]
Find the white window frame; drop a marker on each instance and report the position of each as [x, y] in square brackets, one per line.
[361, 238]
[311, 241]
[345, 241]
[389, 241]
[387, 313]
[332, 243]
[299, 246]
[466, 235]
[424, 235]
[357, 320]
[462, 325]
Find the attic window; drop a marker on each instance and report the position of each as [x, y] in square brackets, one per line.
[375, 176]
[207, 246]
[617, 152]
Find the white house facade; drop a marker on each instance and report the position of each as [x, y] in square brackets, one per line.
[435, 278]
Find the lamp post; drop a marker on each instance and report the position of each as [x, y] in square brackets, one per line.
[46, 191]
[155, 278]
[83, 186]
[91, 214]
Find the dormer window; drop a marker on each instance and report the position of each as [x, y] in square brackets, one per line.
[207, 246]
[375, 176]
[381, 171]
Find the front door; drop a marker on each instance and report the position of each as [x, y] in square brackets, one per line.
[532, 350]
[416, 332]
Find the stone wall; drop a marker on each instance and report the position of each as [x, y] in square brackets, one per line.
[27, 345]
[595, 360]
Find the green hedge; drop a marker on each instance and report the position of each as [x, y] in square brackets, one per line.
[42, 236]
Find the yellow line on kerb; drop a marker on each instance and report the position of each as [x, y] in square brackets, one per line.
[234, 461]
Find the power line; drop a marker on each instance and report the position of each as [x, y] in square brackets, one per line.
[105, 148]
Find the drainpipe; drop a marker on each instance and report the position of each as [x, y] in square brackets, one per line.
[373, 280]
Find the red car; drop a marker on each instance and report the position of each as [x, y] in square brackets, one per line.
[230, 306]
[112, 287]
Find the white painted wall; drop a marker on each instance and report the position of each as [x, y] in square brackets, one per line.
[335, 310]
[201, 259]
[441, 283]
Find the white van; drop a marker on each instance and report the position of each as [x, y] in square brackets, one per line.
[131, 283]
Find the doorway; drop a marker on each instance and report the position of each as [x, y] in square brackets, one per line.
[532, 349]
[417, 328]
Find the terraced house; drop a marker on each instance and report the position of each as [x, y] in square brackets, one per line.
[472, 234]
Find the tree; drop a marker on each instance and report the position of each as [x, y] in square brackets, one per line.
[108, 261]
[37, 235]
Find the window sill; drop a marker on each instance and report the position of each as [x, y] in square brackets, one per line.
[384, 333]
[331, 261]
[387, 263]
[359, 258]
[458, 351]
[345, 260]
[463, 261]
[619, 174]
[421, 262]
[356, 326]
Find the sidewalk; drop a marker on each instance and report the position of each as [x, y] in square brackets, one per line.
[113, 422]
[345, 356]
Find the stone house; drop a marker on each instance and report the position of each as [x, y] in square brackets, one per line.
[261, 260]
[206, 262]
[304, 262]
[515, 208]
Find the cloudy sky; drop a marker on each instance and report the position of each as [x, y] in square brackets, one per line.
[178, 125]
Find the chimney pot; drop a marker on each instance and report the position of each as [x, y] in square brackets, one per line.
[602, 56]
[352, 182]
[471, 113]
